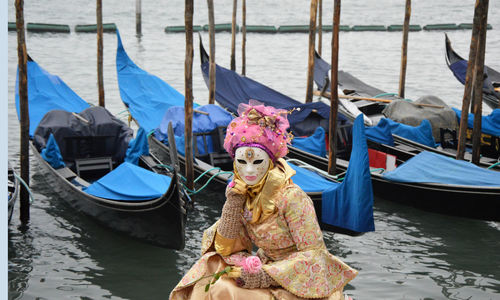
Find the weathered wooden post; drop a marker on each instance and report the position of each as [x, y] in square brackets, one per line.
[320, 26]
[211, 34]
[466, 100]
[244, 38]
[138, 18]
[233, 36]
[334, 98]
[312, 45]
[188, 85]
[22, 60]
[404, 50]
[478, 84]
[100, 79]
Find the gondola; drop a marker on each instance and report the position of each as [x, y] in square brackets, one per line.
[148, 98]
[405, 147]
[458, 66]
[449, 196]
[91, 160]
[12, 189]
[130, 77]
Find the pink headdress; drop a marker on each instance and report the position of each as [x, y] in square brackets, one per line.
[259, 126]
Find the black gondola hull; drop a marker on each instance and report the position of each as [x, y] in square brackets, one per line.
[159, 221]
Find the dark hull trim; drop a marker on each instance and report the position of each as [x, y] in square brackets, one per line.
[159, 221]
[15, 192]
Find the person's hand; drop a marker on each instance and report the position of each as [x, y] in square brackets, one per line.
[237, 191]
[259, 279]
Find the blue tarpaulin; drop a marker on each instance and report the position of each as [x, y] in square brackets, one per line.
[47, 92]
[434, 168]
[146, 96]
[137, 147]
[310, 181]
[129, 182]
[350, 204]
[314, 144]
[382, 133]
[490, 124]
[217, 117]
[52, 154]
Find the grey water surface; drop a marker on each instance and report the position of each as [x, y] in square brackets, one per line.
[412, 254]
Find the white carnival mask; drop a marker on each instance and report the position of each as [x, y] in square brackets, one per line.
[251, 163]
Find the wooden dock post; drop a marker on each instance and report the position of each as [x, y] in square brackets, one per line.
[244, 37]
[404, 50]
[138, 18]
[478, 83]
[100, 79]
[466, 100]
[211, 35]
[188, 85]
[334, 98]
[233, 36]
[312, 45]
[22, 58]
[320, 26]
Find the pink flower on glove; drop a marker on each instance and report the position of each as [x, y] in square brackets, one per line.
[251, 264]
[231, 184]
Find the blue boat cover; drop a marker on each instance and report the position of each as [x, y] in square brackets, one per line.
[490, 124]
[52, 154]
[129, 182]
[137, 147]
[314, 144]
[310, 181]
[217, 117]
[434, 168]
[350, 204]
[47, 92]
[146, 96]
[232, 89]
[382, 133]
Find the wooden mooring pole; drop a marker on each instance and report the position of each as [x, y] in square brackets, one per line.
[243, 37]
[188, 85]
[138, 18]
[233, 36]
[211, 35]
[334, 99]
[404, 50]
[478, 84]
[22, 60]
[100, 79]
[312, 45]
[320, 26]
[466, 100]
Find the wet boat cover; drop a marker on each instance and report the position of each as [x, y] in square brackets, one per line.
[52, 154]
[94, 132]
[490, 124]
[431, 167]
[47, 92]
[217, 117]
[232, 89]
[129, 182]
[350, 204]
[384, 130]
[137, 147]
[314, 144]
[146, 96]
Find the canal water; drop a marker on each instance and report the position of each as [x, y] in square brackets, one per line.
[411, 255]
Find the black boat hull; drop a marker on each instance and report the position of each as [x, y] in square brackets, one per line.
[159, 221]
[13, 190]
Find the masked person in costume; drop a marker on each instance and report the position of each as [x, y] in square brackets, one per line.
[264, 208]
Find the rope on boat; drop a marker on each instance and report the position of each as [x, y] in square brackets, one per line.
[193, 192]
[25, 186]
[494, 165]
[391, 94]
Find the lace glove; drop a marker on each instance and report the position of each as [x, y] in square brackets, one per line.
[230, 221]
[255, 280]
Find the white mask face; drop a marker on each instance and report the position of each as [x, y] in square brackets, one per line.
[251, 163]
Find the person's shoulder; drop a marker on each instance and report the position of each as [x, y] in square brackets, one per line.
[292, 194]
